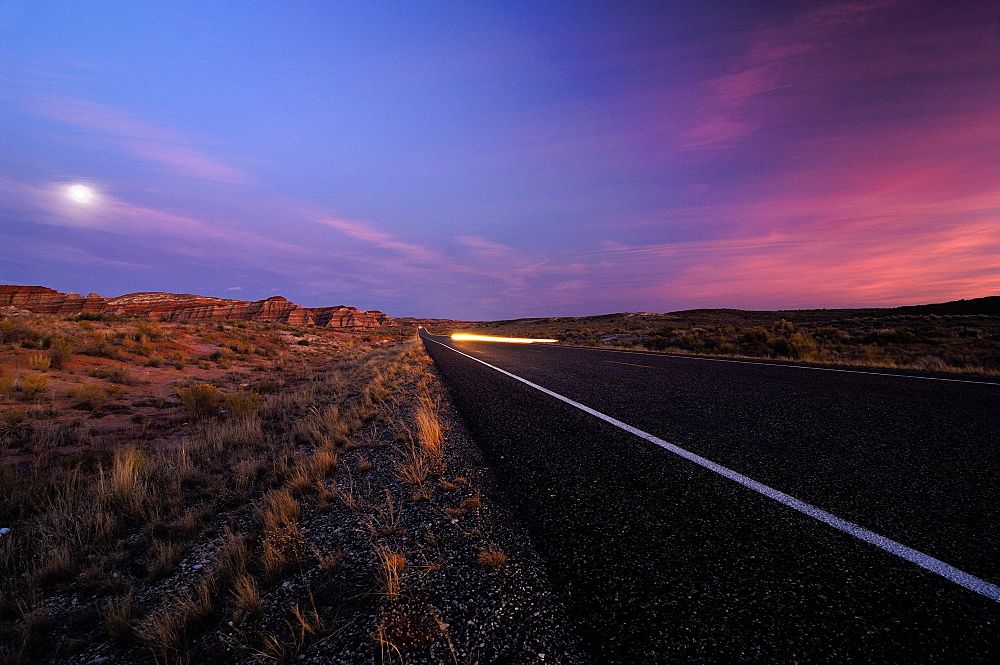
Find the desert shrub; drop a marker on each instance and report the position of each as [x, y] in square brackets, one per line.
[267, 387]
[155, 360]
[99, 346]
[12, 332]
[114, 374]
[241, 347]
[201, 400]
[783, 326]
[60, 351]
[6, 382]
[756, 341]
[242, 404]
[13, 426]
[220, 355]
[89, 396]
[39, 361]
[147, 331]
[30, 385]
[802, 345]
[98, 316]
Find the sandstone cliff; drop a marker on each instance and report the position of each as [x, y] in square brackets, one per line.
[186, 307]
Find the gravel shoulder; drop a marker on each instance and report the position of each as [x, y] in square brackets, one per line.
[390, 556]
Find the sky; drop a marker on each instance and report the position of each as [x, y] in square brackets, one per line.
[485, 161]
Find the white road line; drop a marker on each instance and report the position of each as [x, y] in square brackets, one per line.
[925, 561]
[818, 369]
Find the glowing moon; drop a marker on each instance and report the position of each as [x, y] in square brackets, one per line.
[81, 193]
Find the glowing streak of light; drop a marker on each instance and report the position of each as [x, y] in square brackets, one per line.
[486, 338]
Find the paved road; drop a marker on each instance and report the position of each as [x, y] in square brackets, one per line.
[665, 561]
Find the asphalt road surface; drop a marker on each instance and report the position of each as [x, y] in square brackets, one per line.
[666, 561]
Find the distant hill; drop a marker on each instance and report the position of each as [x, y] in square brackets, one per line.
[989, 305]
[186, 307]
[710, 318]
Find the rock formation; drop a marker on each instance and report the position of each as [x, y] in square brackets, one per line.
[186, 307]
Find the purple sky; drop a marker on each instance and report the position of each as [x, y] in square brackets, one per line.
[485, 161]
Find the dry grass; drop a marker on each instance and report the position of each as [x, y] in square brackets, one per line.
[330, 561]
[151, 471]
[280, 509]
[472, 503]
[162, 558]
[232, 559]
[166, 631]
[118, 616]
[401, 628]
[413, 466]
[283, 550]
[58, 565]
[187, 526]
[429, 432]
[384, 520]
[302, 625]
[491, 557]
[125, 487]
[390, 565]
[247, 598]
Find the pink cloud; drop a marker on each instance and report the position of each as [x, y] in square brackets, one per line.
[369, 234]
[816, 55]
[140, 138]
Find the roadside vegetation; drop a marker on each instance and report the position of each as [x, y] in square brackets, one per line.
[952, 337]
[236, 492]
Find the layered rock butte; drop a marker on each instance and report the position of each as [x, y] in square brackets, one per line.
[185, 307]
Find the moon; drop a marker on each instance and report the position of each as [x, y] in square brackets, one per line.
[80, 193]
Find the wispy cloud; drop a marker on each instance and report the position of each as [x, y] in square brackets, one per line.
[790, 69]
[171, 149]
[367, 233]
[170, 231]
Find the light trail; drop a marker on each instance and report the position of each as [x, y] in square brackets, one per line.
[467, 337]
